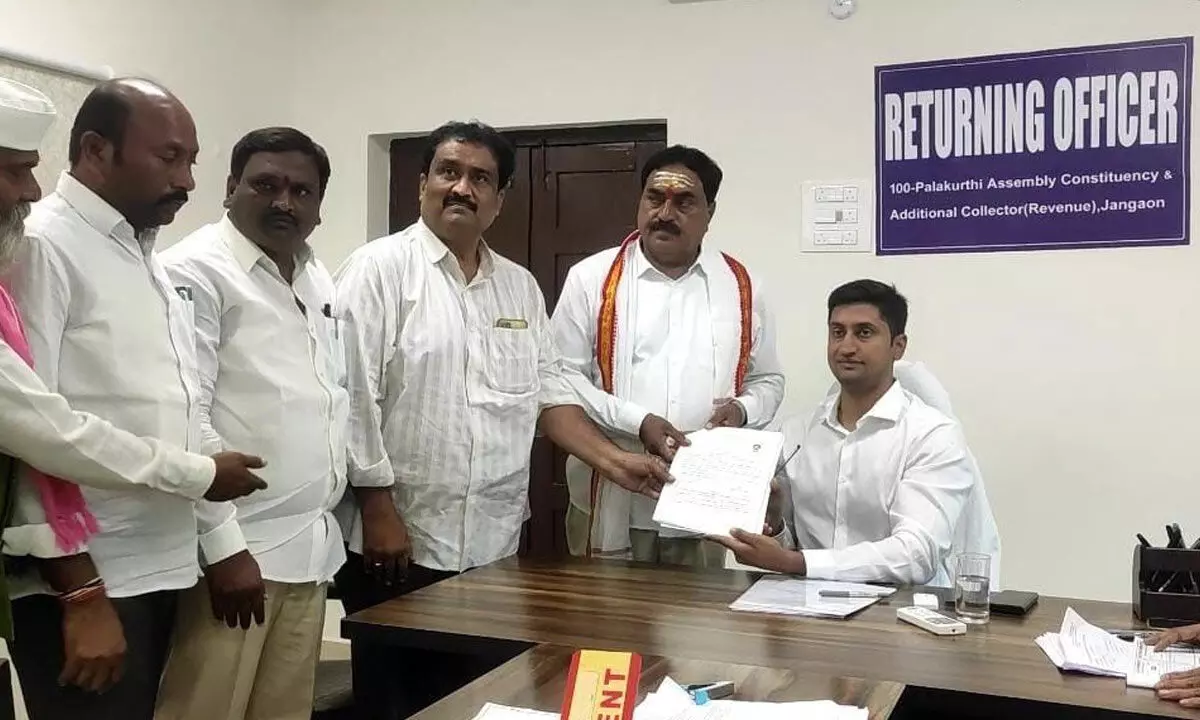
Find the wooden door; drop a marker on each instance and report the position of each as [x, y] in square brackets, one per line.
[586, 202]
[574, 193]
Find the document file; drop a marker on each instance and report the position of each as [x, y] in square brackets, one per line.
[722, 481]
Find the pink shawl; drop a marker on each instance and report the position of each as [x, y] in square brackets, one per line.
[66, 511]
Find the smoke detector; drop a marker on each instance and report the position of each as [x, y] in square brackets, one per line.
[842, 9]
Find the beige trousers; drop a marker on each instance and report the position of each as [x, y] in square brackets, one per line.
[648, 546]
[265, 672]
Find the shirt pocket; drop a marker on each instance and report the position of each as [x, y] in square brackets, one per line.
[181, 323]
[334, 353]
[510, 361]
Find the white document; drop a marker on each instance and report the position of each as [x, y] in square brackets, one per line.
[1083, 647]
[722, 481]
[1149, 666]
[1090, 649]
[672, 702]
[491, 711]
[779, 595]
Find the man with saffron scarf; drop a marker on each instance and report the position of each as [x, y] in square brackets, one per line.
[668, 336]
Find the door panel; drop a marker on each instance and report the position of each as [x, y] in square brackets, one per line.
[586, 202]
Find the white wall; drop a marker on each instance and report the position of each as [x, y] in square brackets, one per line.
[1076, 393]
[232, 62]
[1073, 371]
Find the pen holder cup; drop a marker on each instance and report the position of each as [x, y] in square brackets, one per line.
[1166, 586]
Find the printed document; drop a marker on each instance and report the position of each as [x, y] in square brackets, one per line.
[1149, 666]
[1082, 647]
[722, 481]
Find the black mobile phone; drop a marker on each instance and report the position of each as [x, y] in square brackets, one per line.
[1004, 602]
[1013, 602]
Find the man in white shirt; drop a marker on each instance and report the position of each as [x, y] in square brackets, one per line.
[664, 334]
[879, 479]
[460, 370]
[107, 332]
[39, 428]
[271, 372]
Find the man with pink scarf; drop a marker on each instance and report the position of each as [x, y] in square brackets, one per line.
[45, 519]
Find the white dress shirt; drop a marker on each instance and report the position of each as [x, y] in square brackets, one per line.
[39, 428]
[678, 345]
[455, 376]
[271, 377]
[110, 335]
[879, 503]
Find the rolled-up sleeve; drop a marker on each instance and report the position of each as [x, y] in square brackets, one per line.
[573, 327]
[367, 307]
[554, 387]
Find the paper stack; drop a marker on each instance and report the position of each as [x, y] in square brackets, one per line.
[1082, 647]
[779, 595]
[672, 702]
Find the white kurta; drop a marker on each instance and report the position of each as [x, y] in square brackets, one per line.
[676, 353]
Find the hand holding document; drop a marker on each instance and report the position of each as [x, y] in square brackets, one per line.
[1082, 647]
[722, 481]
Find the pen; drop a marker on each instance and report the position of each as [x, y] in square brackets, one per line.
[851, 594]
[779, 468]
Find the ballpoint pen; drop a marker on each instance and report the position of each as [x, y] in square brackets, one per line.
[852, 594]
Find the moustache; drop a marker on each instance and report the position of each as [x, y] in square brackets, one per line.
[280, 216]
[463, 200]
[180, 197]
[666, 226]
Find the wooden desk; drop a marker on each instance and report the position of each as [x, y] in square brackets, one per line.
[537, 680]
[683, 613]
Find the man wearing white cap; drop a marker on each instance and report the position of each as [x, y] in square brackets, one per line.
[84, 647]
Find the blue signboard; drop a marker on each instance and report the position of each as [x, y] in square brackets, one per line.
[1074, 148]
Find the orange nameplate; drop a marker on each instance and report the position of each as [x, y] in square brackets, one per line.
[602, 686]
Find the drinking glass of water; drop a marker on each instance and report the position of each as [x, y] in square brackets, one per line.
[972, 581]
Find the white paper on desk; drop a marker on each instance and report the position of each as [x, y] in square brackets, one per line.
[780, 595]
[672, 702]
[1149, 666]
[491, 711]
[722, 481]
[1083, 647]
[1088, 648]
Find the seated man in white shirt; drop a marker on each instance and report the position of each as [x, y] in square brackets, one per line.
[879, 478]
[688, 342]
[270, 372]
